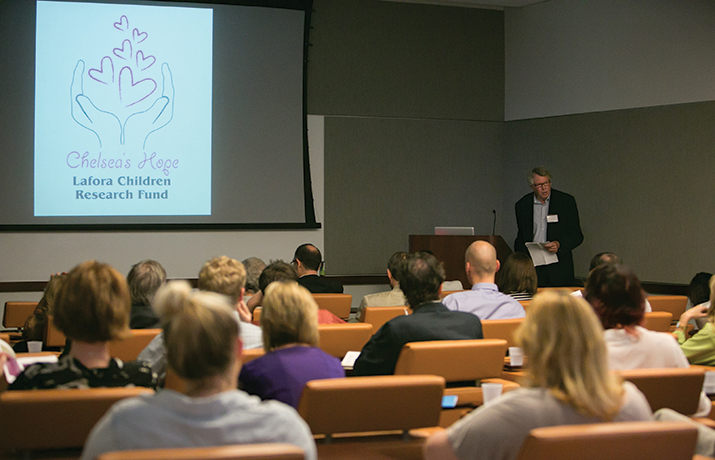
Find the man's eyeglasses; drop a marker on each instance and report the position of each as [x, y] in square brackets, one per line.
[542, 185]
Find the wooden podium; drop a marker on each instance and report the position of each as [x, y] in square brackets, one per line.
[450, 250]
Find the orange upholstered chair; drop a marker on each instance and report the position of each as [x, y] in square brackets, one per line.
[371, 404]
[337, 304]
[675, 388]
[613, 441]
[338, 339]
[129, 348]
[55, 419]
[457, 361]
[658, 321]
[377, 316]
[675, 304]
[501, 329]
[237, 452]
[17, 312]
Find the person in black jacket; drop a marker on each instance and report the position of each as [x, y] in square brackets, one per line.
[307, 261]
[557, 225]
[421, 282]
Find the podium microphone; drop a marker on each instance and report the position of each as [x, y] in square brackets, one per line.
[494, 225]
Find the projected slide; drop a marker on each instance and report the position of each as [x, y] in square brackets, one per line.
[122, 110]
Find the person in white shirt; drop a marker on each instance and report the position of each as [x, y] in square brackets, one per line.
[616, 296]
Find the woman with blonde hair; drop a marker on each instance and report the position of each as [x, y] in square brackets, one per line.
[204, 351]
[91, 308]
[290, 336]
[567, 382]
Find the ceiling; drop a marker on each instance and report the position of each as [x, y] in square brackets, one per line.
[492, 4]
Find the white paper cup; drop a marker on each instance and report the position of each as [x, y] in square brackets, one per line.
[34, 346]
[709, 382]
[516, 356]
[490, 392]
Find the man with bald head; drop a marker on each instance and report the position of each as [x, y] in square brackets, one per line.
[484, 300]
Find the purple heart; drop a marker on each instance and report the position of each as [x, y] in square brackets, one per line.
[125, 52]
[139, 36]
[102, 75]
[144, 63]
[123, 24]
[131, 93]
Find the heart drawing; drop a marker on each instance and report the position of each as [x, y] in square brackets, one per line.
[105, 73]
[125, 52]
[123, 24]
[131, 93]
[139, 36]
[144, 63]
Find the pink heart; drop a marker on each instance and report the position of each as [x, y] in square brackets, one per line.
[131, 93]
[125, 52]
[102, 75]
[123, 24]
[144, 63]
[139, 36]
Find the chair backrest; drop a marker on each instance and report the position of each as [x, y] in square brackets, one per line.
[612, 441]
[17, 312]
[236, 452]
[658, 321]
[444, 294]
[455, 360]
[377, 316]
[257, 313]
[560, 288]
[501, 329]
[55, 419]
[675, 304]
[4, 336]
[53, 336]
[338, 339]
[676, 388]
[129, 348]
[368, 404]
[525, 304]
[337, 304]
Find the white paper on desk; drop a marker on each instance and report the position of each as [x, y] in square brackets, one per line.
[540, 255]
[349, 360]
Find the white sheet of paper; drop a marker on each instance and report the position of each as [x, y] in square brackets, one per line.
[349, 359]
[541, 255]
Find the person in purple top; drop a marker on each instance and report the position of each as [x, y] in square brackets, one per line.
[484, 299]
[290, 335]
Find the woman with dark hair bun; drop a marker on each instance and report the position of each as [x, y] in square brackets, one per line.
[616, 295]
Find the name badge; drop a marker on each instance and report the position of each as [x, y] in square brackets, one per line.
[552, 218]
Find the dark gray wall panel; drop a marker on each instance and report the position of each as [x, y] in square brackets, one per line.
[374, 58]
[388, 178]
[642, 179]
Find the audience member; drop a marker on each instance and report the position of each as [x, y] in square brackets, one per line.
[290, 336]
[393, 298]
[34, 328]
[567, 383]
[699, 294]
[607, 258]
[204, 351]
[144, 279]
[91, 308]
[421, 282]
[616, 296]
[307, 260]
[254, 266]
[221, 275]
[700, 348]
[484, 299]
[517, 278]
[281, 271]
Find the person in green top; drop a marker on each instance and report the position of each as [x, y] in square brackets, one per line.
[700, 348]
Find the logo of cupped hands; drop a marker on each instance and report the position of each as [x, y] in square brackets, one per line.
[125, 105]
